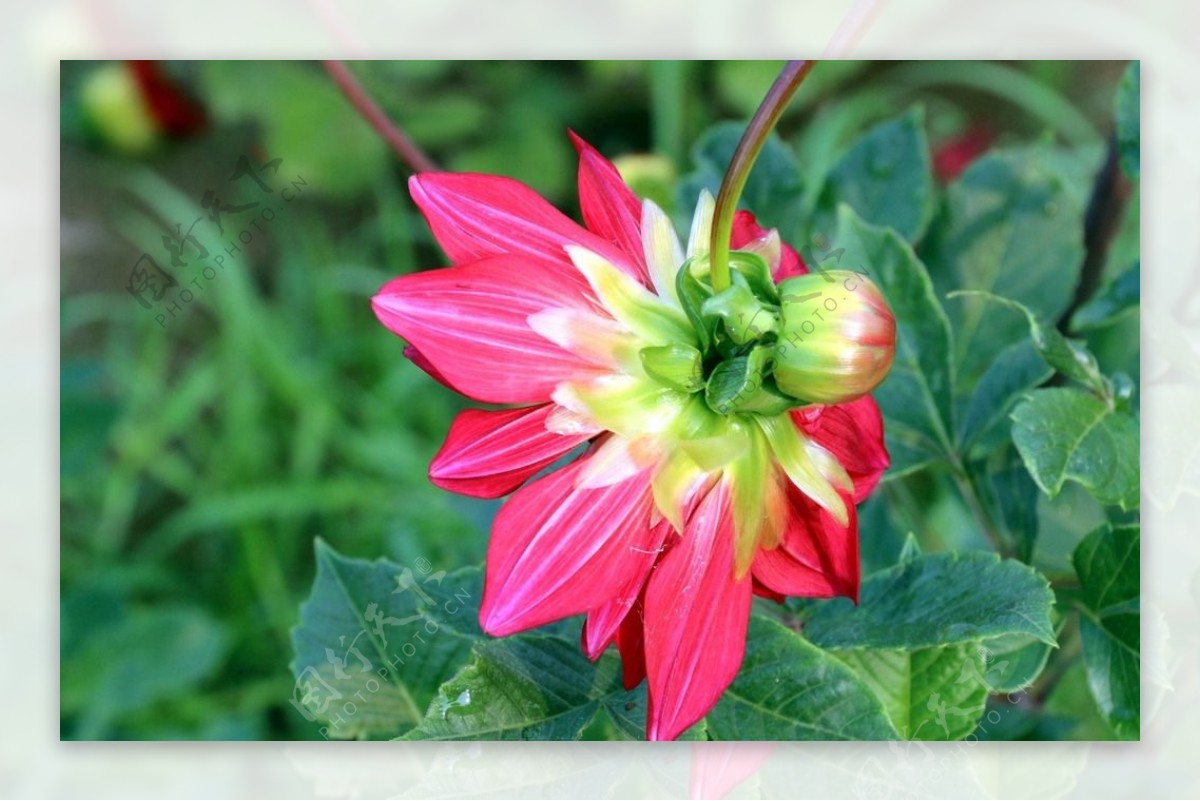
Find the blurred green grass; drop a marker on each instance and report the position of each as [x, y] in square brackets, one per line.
[201, 457]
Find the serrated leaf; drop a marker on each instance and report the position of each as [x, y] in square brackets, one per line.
[1108, 563]
[1067, 434]
[1129, 115]
[929, 694]
[627, 712]
[789, 690]
[1012, 227]
[1068, 356]
[886, 177]
[938, 599]
[1018, 369]
[1013, 662]
[1114, 300]
[916, 395]
[1017, 498]
[527, 687]
[376, 639]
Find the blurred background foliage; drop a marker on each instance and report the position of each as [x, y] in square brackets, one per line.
[205, 446]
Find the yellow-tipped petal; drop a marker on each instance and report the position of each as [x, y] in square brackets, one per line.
[664, 255]
[790, 447]
[701, 226]
[655, 321]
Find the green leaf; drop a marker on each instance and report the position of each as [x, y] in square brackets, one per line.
[1114, 300]
[789, 690]
[916, 395]
[1017, 499]
[136, 660]
[938, 599]
[1012, 227]
[1013, 662]
[376, 639]
[528, 687]
[627, 713]
[984, 421]
[929, 694]
[1068, 356]
[1108, 563]
[1063, 433]
[1129, 115]
[885, 177]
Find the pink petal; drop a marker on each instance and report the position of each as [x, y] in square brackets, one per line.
[696, 618]
[559, 550]
[609, 207]
[717, 767]
[471, 323]
[818, 558]
[602, 624]
[853, 433]
[475, 216]
[490, 453]
[746, 229]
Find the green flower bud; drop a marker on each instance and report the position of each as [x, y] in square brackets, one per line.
[838, 337]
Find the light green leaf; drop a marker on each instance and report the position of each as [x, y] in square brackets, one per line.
[916, 395]
[1063, 433]
[1129, 115]
[376, 639]
[1108, 563]
[938, 599]
[1013, 227]
[930, 693]
[789, 690]
[885, 177]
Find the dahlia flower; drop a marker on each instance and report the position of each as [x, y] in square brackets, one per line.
[703, 477]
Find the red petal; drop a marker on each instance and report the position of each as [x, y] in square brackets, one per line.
[471, 323]
[853, 433]
[490, 453]
[818, 558]
[696, 618]
[559, 550]
[603, 623]
[475, 216]
[631, 642]
[609, 207]
[763, 591]
[416, 357]
[746, 229]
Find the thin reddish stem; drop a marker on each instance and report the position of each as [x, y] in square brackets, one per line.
[769, 112]
[405, 148]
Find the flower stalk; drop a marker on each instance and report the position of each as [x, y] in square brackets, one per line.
[761, 125]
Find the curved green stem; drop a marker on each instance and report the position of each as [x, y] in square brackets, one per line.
[744, 156]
